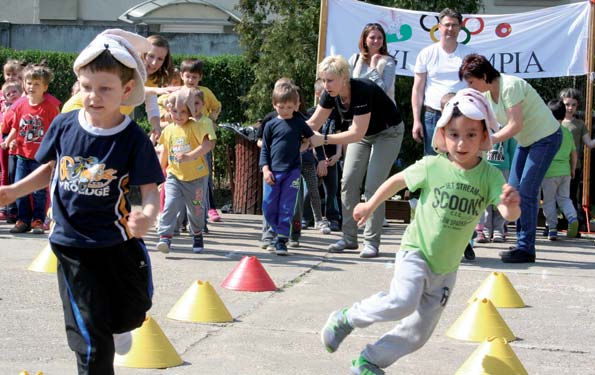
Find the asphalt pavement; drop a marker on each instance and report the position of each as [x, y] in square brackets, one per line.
[278, 332]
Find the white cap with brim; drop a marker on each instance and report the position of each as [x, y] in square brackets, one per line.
[125, 47]
[472, 104]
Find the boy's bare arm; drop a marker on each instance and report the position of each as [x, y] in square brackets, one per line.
[38, 179]
[206, 146]
[140, 222]
[509, 203]
[573, 163]
[389, 188]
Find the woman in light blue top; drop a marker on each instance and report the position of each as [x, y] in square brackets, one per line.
[373, 61]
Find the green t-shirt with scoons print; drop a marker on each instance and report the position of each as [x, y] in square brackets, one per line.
[450, 204]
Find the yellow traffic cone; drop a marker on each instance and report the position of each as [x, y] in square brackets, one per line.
[150, 349]
[200, 304]
[479, 321]
[498, 289]
[46, 261]
[494, 357]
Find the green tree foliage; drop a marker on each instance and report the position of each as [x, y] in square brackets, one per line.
[280, 38]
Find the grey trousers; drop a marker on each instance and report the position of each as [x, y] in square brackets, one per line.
[416, 299]
[372, 158]
[180, 195]
[556, 190]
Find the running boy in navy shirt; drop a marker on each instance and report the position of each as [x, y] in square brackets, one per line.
[95, 154]
[280, 163]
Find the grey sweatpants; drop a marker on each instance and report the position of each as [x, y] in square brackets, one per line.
[416, 299]
[372, 158]
[184, 195]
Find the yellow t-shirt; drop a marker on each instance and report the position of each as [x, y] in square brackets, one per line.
[76, 102]
[186, 138]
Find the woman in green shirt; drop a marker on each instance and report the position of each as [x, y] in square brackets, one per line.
[525, 117]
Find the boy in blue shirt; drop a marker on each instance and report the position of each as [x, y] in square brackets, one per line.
[280, 163]
[92, 156]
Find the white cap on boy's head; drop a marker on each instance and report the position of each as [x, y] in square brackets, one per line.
[472, 104]
[125, 47]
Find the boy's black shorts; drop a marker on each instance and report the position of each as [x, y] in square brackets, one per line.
[103, 291]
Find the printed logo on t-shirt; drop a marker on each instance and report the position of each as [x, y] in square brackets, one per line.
[31, 128]
[179, 146]
[457, 204]
[85, 175]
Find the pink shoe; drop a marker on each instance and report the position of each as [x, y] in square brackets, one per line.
[3, 215]
[214, 216]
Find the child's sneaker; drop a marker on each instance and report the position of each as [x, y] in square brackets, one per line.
[37, 227]
[3, 215]
[122, 342]
[198, 244]
[498, 237]
[214, 215]
[361, 366]
[341, 245]
[281, 247]
[293, 243]
[552, 235]
[481, 238]
[335, 330]
[20, 227]
[12, 219]
[323, 226]
[164, 245]
[572, 228]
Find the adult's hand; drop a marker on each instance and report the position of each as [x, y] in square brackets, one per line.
[317, 139]
[417, 132]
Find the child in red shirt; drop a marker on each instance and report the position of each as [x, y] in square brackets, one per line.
[28, 121]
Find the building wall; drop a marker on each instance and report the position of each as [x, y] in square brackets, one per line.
[61, 38]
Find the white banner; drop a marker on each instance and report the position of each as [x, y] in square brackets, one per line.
[550, 42]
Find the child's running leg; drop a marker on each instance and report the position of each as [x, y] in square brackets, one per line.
[289, 188]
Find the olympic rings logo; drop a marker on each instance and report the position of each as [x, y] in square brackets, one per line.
[502, 30]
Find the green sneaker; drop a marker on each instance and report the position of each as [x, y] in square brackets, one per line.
[572, 228]
[335, 330]
[361, 366]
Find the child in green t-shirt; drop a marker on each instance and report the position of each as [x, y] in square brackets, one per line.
[556, 184]
[455, 188]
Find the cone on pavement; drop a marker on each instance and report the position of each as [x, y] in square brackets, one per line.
[495, 357]
[479, 321]
[45, 261]
[249, 275]
[150, 349]
[498, 289]
[200, 304]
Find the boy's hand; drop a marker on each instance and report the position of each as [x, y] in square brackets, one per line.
[269, 177]
[510, 196]
[322, 168]
[334, 159]
[155, 134]
[361, 213]
[181, 157]
[13, 145]
[139, 224]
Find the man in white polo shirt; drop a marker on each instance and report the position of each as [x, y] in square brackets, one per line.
[436, 74]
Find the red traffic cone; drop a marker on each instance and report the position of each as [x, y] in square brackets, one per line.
[249, 275]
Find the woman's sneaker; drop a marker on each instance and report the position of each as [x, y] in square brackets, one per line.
[341, 245]
[361, 366]
[335, 330]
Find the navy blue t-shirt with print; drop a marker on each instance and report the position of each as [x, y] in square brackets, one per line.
[94, 170]
[281, 143]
